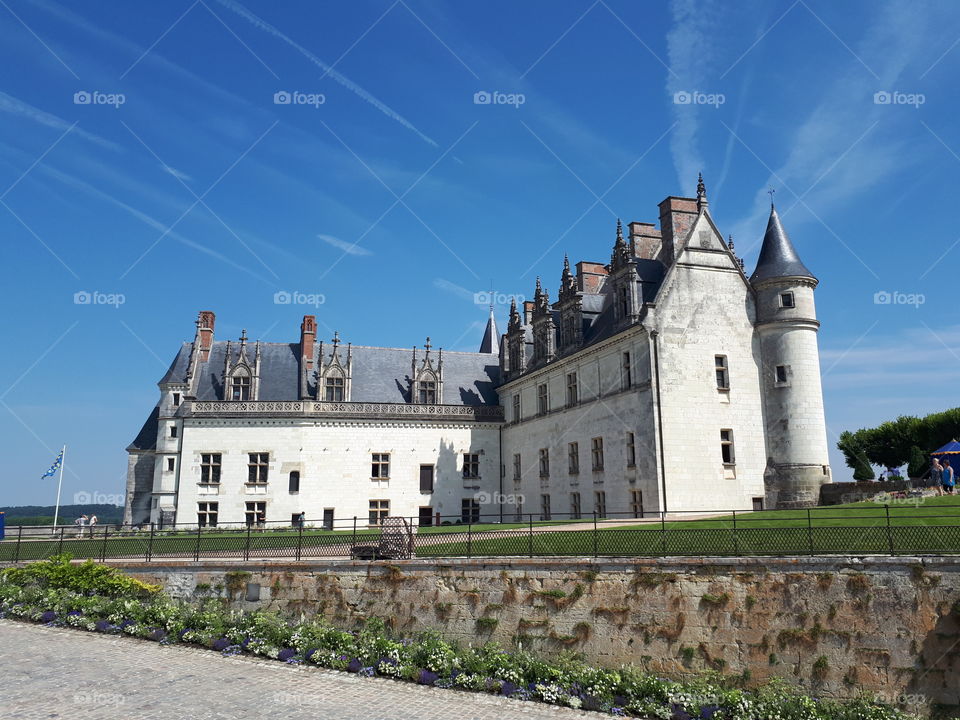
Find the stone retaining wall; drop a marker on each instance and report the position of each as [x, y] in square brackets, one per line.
[833, 625]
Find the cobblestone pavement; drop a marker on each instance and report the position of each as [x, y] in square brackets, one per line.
[66, 673]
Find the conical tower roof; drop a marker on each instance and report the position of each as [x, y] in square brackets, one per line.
[491, 338]
[778, 258]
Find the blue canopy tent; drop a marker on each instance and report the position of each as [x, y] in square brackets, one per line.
[949, 453]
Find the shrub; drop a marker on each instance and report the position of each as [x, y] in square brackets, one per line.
[60, 574]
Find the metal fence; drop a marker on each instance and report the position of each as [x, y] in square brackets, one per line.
[880, 530]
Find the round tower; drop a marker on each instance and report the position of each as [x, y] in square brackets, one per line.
[796, 436]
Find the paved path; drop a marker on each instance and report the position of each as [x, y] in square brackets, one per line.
[66, 673]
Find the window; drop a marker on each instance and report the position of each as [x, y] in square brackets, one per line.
[781, 374]
[176, 399]
[171, 464]
[575, 506]
[723, 377]
[544, 462]
[210, 468]
[240, 387]
[631, 450]
[516, 408]
[334, 387]
[543, 404]
[573, 458]
[294, 481]
[256, 513]
[379, 511]
[545, 507]
[600, 503]
[471, 466]
[596, 453]
[786, 300]
[636, 503]
[428, 392]
[469, 510]
[516, 467]
[258, 467]
[626, 371]
[623, 301]
[426, 478]
[207, 514]
[726, 447]
[758, 503]
[571, 389]
[380, 466]
[173, 431]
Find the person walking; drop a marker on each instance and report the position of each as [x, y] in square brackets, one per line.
[949, 480]
[81, 524]
[93, 522]
[936, 476]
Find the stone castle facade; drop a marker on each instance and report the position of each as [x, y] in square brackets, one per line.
[666, 380]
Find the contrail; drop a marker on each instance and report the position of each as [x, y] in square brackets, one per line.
[328, 70]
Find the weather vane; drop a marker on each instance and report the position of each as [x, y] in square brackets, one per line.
[770, 192]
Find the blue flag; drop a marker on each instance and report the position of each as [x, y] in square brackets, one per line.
[53, 468]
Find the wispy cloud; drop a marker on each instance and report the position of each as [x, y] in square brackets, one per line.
[12, 105]
[453, 289]
[143, 217]
[344, 246]
[176, 173]
[327, 69]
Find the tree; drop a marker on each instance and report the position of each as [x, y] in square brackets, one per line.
[854, 455]
[919, 464]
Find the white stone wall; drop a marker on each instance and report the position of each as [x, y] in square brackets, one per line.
[604, 409]
[705, 309]
[334, 462]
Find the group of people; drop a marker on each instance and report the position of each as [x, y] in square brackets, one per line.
[942, 477]
[83, 523]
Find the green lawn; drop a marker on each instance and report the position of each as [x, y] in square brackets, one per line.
[932, 526]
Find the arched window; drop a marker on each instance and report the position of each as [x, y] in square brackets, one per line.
[294, 481]
[427, 389]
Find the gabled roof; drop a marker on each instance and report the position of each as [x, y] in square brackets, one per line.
[778, 258]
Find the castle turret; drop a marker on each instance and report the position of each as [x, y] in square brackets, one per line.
[796, 438]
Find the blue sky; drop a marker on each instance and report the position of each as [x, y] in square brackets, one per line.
[144, 157]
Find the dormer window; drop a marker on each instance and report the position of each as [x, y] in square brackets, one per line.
[176, 399]
[623, 301]
[334, 389]
[240, 386]
[427, 392]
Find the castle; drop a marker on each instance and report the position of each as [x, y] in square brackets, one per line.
[666, 380]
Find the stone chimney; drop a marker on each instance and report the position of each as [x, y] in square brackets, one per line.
[677, 216]
[205, 323]
[308, 335]
[645, 240]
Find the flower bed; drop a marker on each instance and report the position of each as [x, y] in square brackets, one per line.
[99, 599]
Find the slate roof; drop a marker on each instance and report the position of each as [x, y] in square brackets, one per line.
[778, 258]
[378, 374]
[491, 338]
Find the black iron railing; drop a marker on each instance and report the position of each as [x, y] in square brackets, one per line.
[871, 530]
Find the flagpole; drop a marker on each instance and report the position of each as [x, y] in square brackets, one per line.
[56, 512]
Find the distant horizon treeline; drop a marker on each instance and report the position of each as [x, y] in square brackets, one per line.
[43, 514]
[907, 440]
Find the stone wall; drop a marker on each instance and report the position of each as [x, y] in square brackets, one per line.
[833, 625]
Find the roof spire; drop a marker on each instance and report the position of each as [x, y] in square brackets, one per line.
[770, 192]
[619, 230]
[701, 192]
[491, 338]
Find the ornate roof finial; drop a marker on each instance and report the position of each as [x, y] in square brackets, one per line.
[566, 263]
[730, 242]
[770, 192]
[336, 339]
[619, 230]
[539, 289]
[243, 338]
[701, 192]
[427, 345]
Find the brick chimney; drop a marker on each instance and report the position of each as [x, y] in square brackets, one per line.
[308, 334]
[527, 312]
[591, 276]
[205, 323]
[644, 240]
[677, 215]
